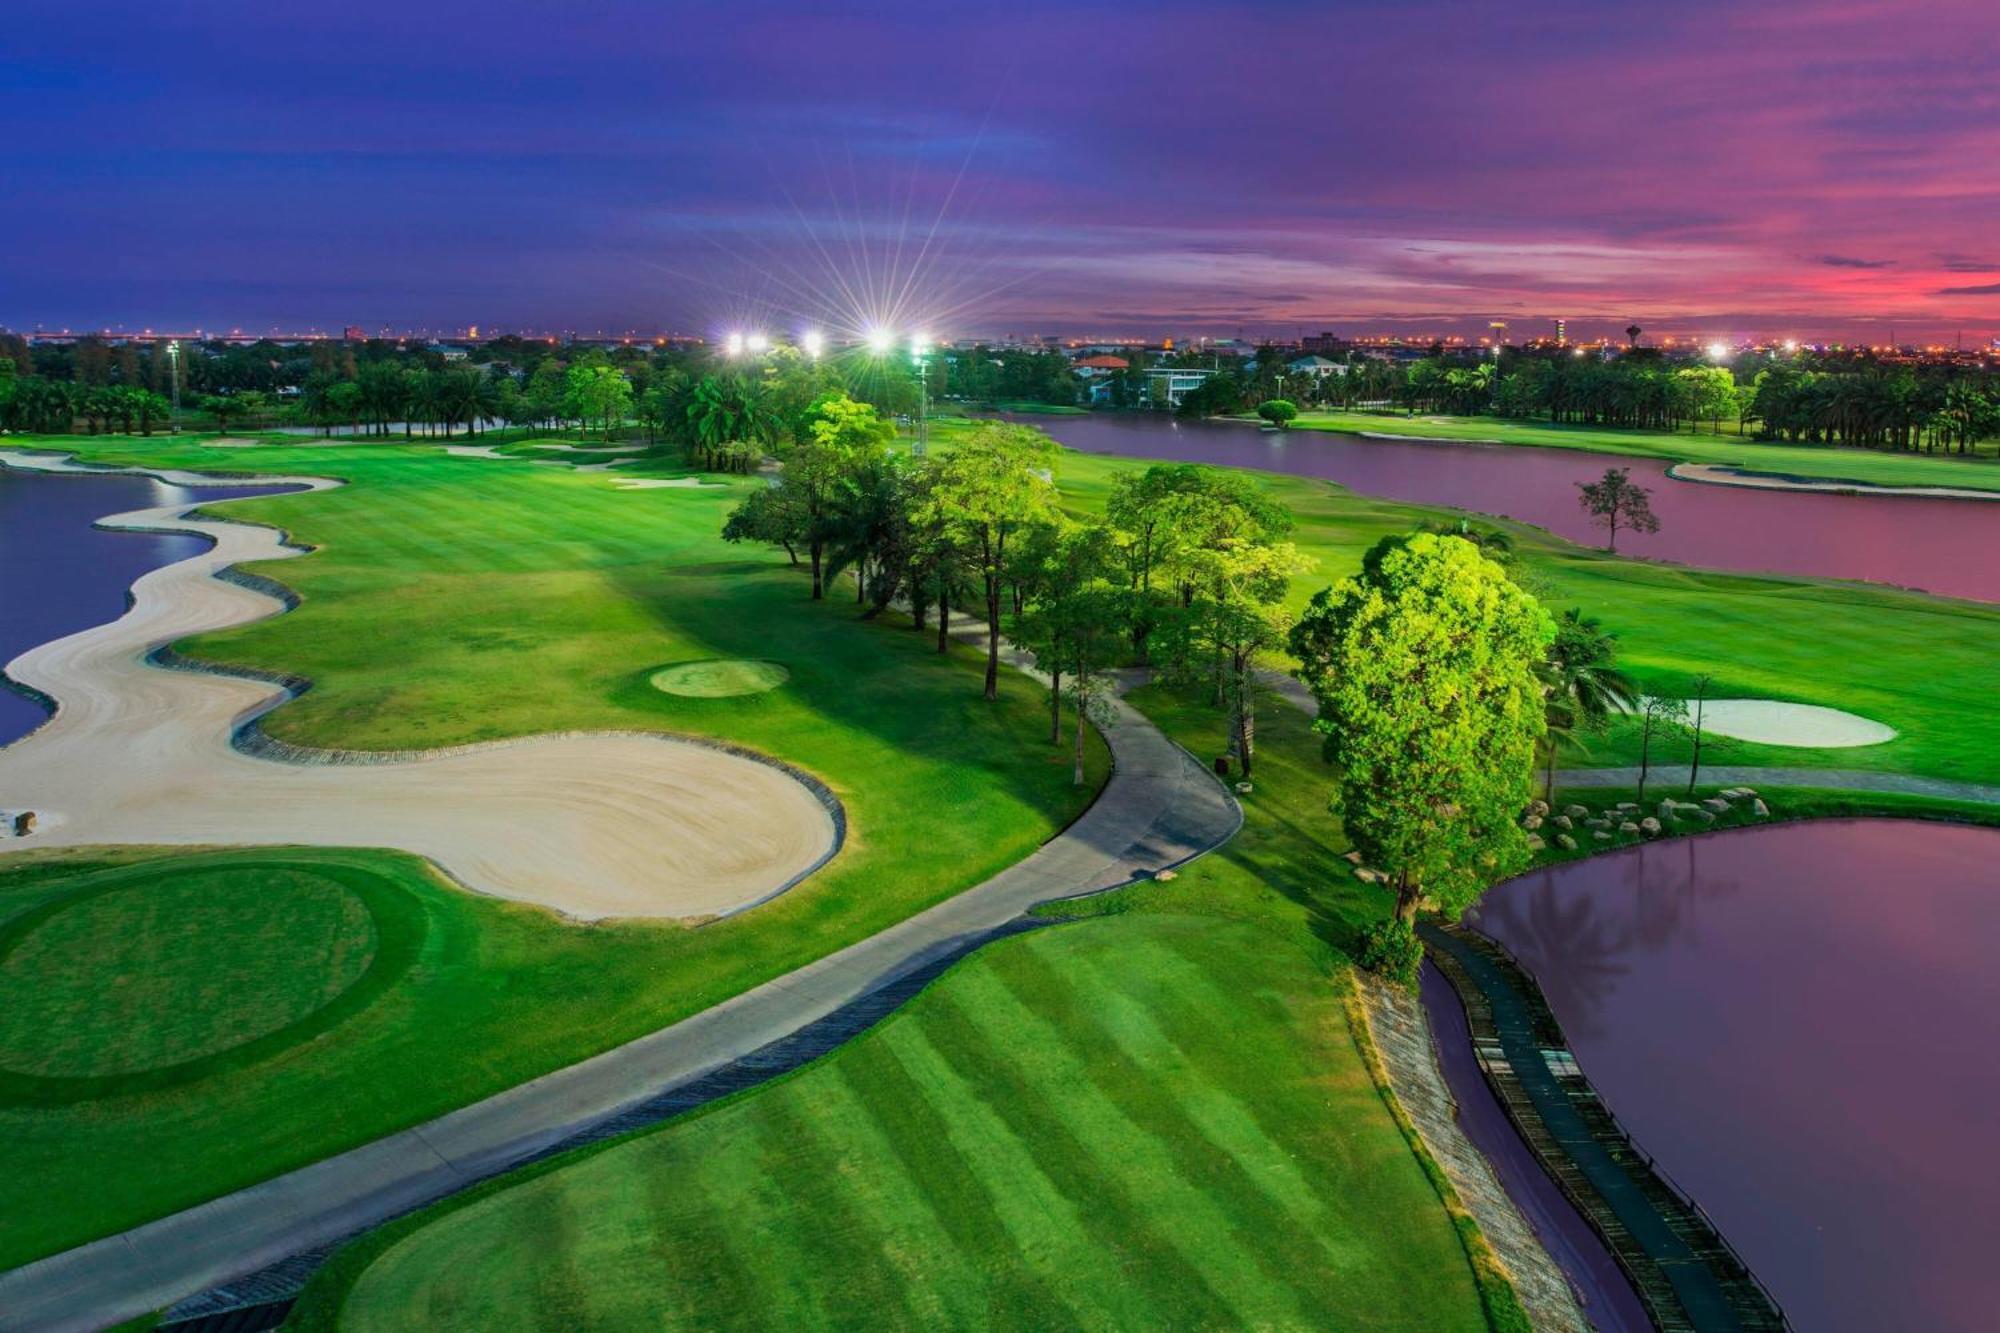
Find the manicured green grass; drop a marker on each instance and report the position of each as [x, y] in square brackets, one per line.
[462, 599]
[1919, 664]
[115, 974]
[1143, 1123]
[1875, 467]
[724, 678]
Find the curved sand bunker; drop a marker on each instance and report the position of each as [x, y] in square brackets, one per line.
[1716, 474]
[591, 824]
[1807, 726]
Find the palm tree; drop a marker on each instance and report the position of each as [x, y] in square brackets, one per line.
[1582, 687]
[1494, 544]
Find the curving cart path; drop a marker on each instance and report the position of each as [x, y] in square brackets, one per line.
[1158, 809]
[590, 824]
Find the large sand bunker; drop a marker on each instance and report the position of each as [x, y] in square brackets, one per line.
[1807, 726]
[591, 824]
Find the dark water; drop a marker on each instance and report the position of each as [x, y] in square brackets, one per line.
[1940, 546]
[58, 574]
[1601, 1286]
[1798, 1023]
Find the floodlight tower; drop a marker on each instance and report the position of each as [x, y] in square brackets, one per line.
[174, 379]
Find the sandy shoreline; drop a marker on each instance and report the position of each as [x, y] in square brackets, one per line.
[1717, 474]
[593, 825]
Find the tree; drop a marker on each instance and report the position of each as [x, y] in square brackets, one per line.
[1240, 611]
[1615, 501]
[597, 393]
[989, 488]
[842, 436]
[148, 407]
[771, 514]
[1164, 518]
[727, 410]
[867, 527]
[223, 409]
[1278, 411]
[1583, 686]
[1424, 665]
[1702, 684]
[1658, 719]
[1071, 617]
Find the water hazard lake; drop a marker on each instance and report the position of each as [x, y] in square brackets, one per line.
[1937, 545]
[62, 575]
[1797, 1023]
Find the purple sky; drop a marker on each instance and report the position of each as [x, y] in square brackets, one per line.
[1817, 167]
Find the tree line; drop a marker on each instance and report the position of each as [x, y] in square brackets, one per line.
[1185, 571]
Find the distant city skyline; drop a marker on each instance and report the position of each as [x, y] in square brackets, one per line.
[1823, 169]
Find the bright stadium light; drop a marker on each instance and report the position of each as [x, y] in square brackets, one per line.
[920, 345]
[814, 342]
[881, 342]
[733, 345]
[757, 342]
[1718, 351]
[1791, 344]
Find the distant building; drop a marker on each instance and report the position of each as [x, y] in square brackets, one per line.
[354, 333]
[1317, 366]
[1325, 344]
[1562, 333]
[1096, 367]
[1166, 387]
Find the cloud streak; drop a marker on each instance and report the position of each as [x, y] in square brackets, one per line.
[1829, 162]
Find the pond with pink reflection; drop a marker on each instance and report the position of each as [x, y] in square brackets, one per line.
[1941, 546]
[1797, 1022]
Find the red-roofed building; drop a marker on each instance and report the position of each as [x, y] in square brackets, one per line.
[1093, 366]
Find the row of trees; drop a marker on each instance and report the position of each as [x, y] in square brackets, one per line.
[1858, 403]
[1185, 571]
[1443, 686]
[1832, 400]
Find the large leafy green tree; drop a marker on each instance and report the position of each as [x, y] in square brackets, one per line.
[1425, 668]
[599, 393]
[1070, 618]
[990, 488]
[843, 438]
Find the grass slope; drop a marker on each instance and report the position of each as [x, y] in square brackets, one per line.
[1148, 1123]
[1916, 663]
[1869, 466]
[464, 599]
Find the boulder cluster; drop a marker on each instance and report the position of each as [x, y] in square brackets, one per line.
[1626, 822]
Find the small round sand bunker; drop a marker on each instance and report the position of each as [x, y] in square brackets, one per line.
[720, 678]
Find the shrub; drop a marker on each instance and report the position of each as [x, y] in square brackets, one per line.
[1391, 949]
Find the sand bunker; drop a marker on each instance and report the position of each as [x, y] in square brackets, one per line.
[720, 678]
[591, 824]
[1718, 475]
[1807, 726]
[658, 483]
[474, 451]
[232, 442]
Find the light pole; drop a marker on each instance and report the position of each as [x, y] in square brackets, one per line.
[920, 348]
[174, 380]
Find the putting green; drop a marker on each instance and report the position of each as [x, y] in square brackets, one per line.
[133, 975]
[720, 678]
